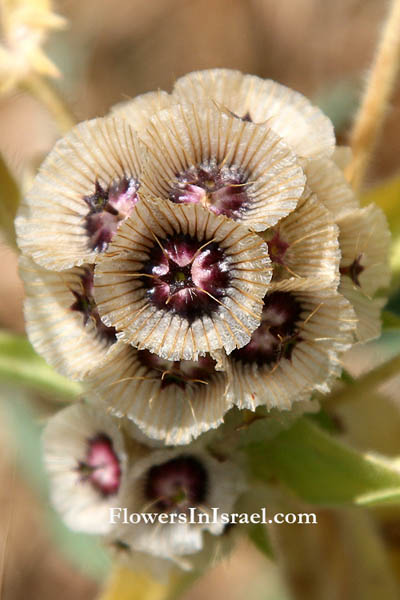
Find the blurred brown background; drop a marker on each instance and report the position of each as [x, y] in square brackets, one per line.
[114, 50]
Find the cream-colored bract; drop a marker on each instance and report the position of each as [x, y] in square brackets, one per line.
[225, 483]
[51, 223]
[364, 242]
[139, 110]
[326, 329]
[123, 302]
[58, 333]
[186, 138]
[303, 126]
[365, 238]
[368, 310]
[305, 245]
[327, 181]
[172, 411]
[65, 444]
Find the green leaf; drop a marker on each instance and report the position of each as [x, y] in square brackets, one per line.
[321, 469]
[390, 320]
[258, 534]
[9, 201]
[19, 364]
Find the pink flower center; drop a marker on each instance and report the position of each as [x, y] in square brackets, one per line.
[85, 304]
[277, 335]
[102, 467]
[180, 373]
[223, 190]
[186, 276]
[177, 484]
[107, 208]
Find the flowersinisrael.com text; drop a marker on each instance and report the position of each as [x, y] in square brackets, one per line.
[193, 516]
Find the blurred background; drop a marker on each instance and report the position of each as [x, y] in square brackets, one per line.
[114, 50]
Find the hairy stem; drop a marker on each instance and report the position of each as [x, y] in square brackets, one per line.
[380, 84]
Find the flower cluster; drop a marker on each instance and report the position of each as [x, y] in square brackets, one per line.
[188, 253]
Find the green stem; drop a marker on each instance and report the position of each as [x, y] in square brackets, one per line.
[366, 382]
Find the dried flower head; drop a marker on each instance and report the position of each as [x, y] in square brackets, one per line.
[86, 188]
[295, 349]
[62, 320]
[201, 249]
[173, 401]
[87, 463]
[203, 155]
[181, 281]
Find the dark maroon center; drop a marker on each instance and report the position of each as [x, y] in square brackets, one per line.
[177, 485]
[223, 190]
[354, 270]
[101, 467]
[277, 335]
[180, 373]
[85, 304]
[186, 276]
[107, 208]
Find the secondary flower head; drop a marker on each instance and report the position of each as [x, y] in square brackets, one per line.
[85, 189]
[181, 281]
[173, 481]
[24, 28]
[86, 460]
